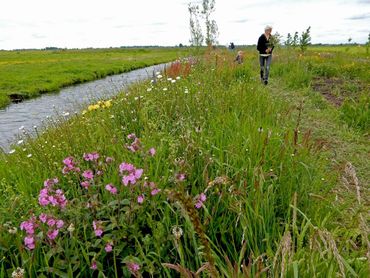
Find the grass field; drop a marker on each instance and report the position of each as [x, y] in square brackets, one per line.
[224, 176]
[25, 74]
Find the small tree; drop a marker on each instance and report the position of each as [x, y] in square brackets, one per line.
[289, 40]
[295, 40]
[210, 24]
[305, 39]
[196, 36]
[276, 39]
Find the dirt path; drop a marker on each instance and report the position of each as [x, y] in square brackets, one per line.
[343, 143]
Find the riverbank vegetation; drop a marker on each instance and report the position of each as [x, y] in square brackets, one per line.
[201, 170]
[29, 73]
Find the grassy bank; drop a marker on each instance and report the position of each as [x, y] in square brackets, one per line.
[228, 177]
[25, 74]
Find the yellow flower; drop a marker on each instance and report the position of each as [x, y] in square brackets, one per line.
[108, 103]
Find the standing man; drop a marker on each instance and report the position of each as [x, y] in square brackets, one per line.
[265, 48]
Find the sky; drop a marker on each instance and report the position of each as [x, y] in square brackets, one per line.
[114, 23]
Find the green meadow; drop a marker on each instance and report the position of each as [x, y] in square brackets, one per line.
[202, 172]
[27, 73]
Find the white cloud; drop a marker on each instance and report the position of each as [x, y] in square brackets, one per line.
[82, 23]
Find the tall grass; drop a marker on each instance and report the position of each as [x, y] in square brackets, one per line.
[268, 209]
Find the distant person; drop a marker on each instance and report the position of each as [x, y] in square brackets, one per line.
[232, 46]
[265, 48]
[239, 57]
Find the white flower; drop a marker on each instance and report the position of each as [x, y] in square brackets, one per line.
[165, 89]
[169, 78]
[35, 126]
[136, 98]
[157, 73]
[159, 76]
[13, 230]
[20, 142]
[149, 89]
[71, 228]
[177, 232]
[11, 151]
[186, 91]
[18, 273]
[173, 81]
[29, 155]
[65, 114]
[22, 127]
[178, 78]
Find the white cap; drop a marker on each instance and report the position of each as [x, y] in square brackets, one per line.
[268, 27]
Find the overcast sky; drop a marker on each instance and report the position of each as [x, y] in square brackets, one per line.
[105, 23]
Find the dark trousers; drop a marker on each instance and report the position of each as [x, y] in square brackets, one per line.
[265, 63]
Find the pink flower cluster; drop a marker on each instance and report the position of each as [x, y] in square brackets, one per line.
[69, 166]
[135, 145]
[50, 196]
[33, 223]
[30, 227]
[153, 188]
[129, 173]
[152, 151]
[133, 267]
[98, 228]
[88, 174]
[108, 247]
[200, 200]
[94, 156]
[111, 188]
[180, 177]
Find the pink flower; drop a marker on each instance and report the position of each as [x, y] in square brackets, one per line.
[98, 232]
[108, 248]
[85, 184]
[99, 172]
[180, 176]
[133, 267]
[130, 173]
[111, 188]
[49, 196]
[140, 199]
[200, 200]
[198, 204]
[29, 226]
[51, 222]
[93, 265]
[109, 159]
[29, 242]
[52, 234]
[131, 136]
[88, 174]
[43, 217]
[126, 167]
[97, 228]
[50, 182]
[69, 165]
[60, 224]
[68, 161]
[94, 156]
[202, 197]
[155, 191]
[138, 173]
[152, 151]
[135, 146]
